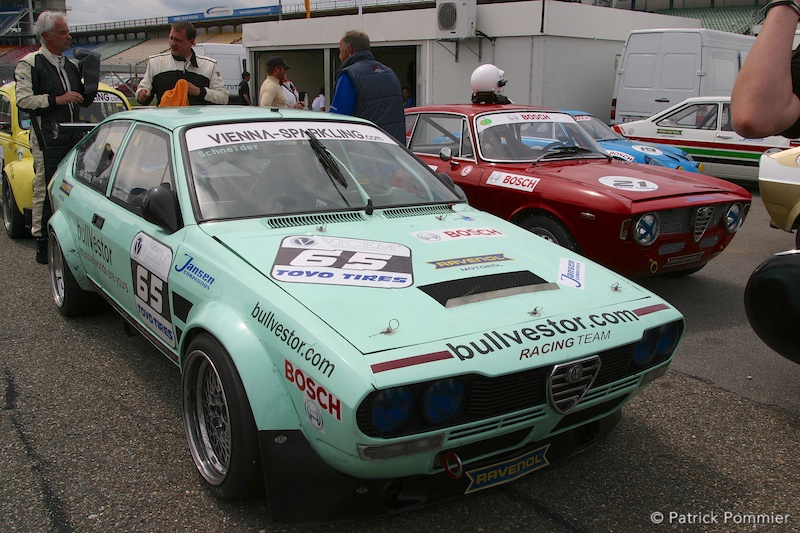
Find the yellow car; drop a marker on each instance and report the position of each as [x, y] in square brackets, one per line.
[779, 183]
[15, 154]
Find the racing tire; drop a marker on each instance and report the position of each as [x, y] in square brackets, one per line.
[550, 230]
[219, 423]
[70, 299]
[13, 220]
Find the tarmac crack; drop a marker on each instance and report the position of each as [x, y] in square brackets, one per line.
[58, 516]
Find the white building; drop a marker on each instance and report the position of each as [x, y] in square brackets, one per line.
[555, 54]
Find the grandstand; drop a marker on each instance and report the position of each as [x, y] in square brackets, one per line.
[734, 19]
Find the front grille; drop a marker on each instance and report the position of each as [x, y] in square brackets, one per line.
[702, 218]
[693, 220]
[569, 382]
[671, 248]
[709, 242]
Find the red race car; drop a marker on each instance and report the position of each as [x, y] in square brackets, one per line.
[537, 168]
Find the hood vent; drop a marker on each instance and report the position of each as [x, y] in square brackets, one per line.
[314, 220]
[464, 291]
[417, 211]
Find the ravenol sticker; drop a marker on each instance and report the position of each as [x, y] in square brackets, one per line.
[343, 261]
[469, 261]
[626, 183]
[665, 131]
[512, 181]
[456, 234]
[684, 259]
[571, 273]
[497, 474]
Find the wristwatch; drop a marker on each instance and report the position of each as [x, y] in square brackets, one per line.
[791, 3]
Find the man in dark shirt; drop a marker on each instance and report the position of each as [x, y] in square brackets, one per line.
[244, 89]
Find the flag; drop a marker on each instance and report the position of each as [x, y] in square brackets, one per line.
[308, 9]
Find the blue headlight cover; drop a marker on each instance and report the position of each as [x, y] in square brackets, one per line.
[733, 218]
[645, 349]
[443, 400]
[392, 409]
[646, 229]
[668, 338]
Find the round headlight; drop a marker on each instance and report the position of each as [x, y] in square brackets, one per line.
[443, 400]
[667, 338]
[645, 349]
[733, 218]
[646, 229]
[392, 409]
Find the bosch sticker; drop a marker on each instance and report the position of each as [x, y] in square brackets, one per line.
[512, 181]
[343, 261]
[622, 155]
[315, 392]
[456, 234]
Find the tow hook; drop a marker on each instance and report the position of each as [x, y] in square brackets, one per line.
[452, 465]
[653, 266]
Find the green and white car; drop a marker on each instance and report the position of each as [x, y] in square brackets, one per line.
[350, 332]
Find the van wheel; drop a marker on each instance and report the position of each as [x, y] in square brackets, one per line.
[13, 220]
[551, 230]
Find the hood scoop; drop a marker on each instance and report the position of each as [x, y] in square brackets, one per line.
[481, 288]
[418, 210]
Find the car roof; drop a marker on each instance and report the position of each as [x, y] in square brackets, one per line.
[175, 117]
[476, 109]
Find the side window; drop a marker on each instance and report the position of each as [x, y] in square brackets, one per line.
[434, 132]
[144, 164]
[696, 116]
[96, 154]
[5, 114]
[726, 118]
[466, 141]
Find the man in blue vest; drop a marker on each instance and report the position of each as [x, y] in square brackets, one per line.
[367, 88]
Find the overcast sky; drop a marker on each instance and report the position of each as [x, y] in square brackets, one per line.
[94, 12]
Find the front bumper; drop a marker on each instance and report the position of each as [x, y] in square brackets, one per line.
[302, 488]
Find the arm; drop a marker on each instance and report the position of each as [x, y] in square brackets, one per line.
[267, 94]
[23, 75]
[344, 96]
[763, 101]
[216, 93]
[144, 91]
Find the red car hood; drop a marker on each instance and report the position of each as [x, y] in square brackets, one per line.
[632, 181]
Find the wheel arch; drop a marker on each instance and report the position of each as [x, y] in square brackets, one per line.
[260, 372]
[20, 176]
[69, 247]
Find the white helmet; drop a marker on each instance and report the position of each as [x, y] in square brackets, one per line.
[487, 79]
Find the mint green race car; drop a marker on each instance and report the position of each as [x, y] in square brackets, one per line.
[348, 329]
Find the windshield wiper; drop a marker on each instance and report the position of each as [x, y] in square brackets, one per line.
[560, 150]
[327, 160]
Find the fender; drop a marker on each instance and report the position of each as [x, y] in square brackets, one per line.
[792, 218]
[260, 374]
[20, 176]
[60, 225]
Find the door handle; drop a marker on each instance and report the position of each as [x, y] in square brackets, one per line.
[662, 100]
[98, 221]
[721, 136]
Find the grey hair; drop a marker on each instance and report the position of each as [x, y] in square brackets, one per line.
[46, 22]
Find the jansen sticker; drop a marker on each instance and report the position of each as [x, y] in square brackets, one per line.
[343, 261]
[571, 273]
[512, 181]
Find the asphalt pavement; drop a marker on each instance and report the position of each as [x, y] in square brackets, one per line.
[91, 437]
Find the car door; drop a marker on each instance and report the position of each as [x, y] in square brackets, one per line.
[692, 127]
[435, 131]
[95, 157]
[140, 252]
[6, 129]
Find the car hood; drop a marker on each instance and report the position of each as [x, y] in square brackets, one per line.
[633, 181]
[390, 283]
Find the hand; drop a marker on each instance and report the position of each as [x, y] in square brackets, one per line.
[299, 105]
[194, 90]
[142, 95]
[69, 97]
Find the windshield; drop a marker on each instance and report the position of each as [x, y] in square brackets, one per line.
[529, 135]
[244, 170]
[599, 130]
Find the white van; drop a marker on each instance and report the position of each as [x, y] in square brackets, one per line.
[662, 67]
[231, 62]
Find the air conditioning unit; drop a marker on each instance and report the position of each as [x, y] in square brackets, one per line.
[455, 19]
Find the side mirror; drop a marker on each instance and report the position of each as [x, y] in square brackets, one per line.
[453, 186]
[772, 303]
[160, 207]
[446, 154]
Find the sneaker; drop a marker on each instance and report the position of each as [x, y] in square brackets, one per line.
[41, 250]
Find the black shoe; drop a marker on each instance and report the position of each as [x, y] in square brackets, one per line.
[41, 250]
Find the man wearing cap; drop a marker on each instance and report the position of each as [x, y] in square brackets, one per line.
[271, 92]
